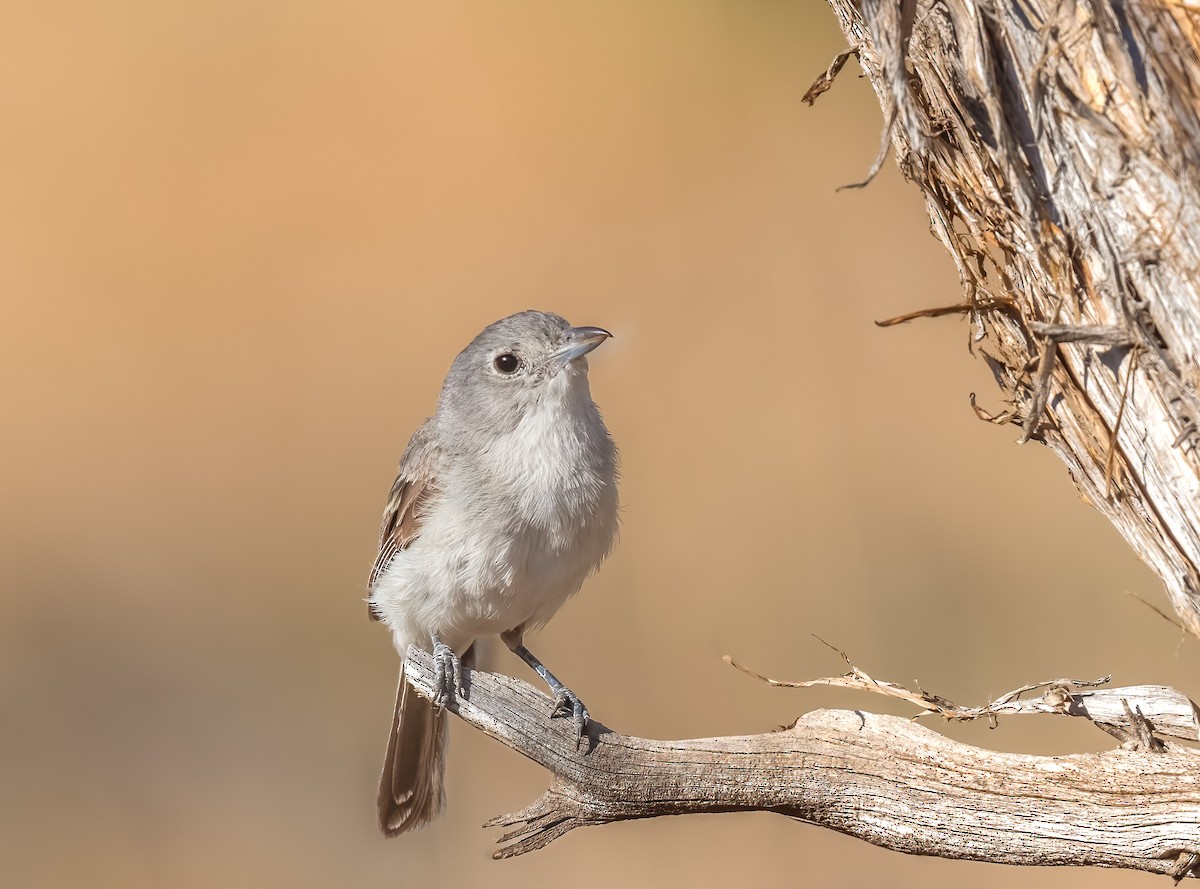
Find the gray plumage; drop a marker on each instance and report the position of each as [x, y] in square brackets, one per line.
[505, 500]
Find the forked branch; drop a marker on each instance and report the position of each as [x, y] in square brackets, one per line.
[883, 779]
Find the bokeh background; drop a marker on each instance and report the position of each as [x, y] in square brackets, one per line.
[240, 243]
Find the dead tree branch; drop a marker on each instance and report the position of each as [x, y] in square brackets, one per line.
[1171, 712]
[883, 779]
[1057, 145]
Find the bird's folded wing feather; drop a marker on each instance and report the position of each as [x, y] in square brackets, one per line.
[414, 487]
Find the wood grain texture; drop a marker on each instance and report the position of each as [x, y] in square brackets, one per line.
[1057, 145]
[884, 779]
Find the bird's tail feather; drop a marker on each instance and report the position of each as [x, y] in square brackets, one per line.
[410, 788]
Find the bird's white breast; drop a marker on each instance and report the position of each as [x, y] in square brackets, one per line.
[514, 531]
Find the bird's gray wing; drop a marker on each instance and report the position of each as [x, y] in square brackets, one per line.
[414, 487]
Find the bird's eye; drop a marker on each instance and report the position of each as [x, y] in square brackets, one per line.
[506, 363]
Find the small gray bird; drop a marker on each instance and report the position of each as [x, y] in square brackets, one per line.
[504, 502]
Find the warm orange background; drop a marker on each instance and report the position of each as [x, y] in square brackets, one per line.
[240, 243]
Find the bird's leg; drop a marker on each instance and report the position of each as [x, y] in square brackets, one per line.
[566, 702]
[468, 659]
[467, 663]
[449, 672]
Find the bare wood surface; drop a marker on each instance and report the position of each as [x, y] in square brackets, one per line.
[1117, 711]
[884, 779]
[1057, 145]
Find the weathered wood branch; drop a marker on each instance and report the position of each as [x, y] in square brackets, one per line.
[1121, 712]
[1057, 145]
[880, 778]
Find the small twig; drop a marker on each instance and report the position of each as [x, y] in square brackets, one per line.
[1110, 457]
[962, 308]
[1138, 734]
[936, 705]
[825, 81]
[1041, 389]
[999, 419]
[1169, 712]
[939, 311]
[1183, 633]
[1176, 624]
[885, 144]
[1184, 866]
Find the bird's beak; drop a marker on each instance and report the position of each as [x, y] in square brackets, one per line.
[580, 341]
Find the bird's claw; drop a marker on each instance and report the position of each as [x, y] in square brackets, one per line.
[448, 669]
[567, 703]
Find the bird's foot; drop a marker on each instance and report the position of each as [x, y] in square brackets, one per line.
[448, 668]
[567, 703]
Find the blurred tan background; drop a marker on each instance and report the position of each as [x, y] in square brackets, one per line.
[240, 243]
